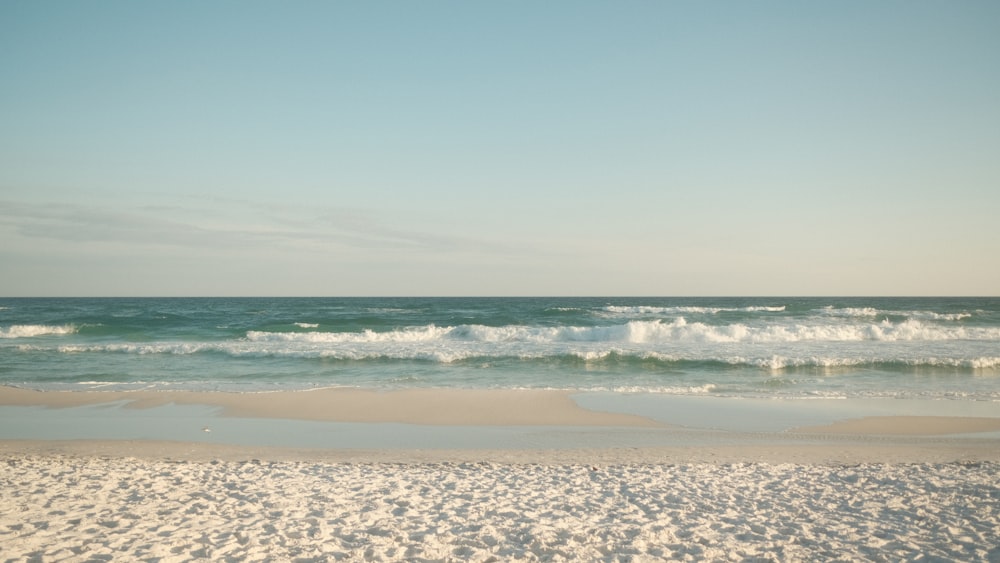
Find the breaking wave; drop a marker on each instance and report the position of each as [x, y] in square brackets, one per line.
[29, 331]
[679, 330]
[873, 312]
[646, 310]
[605, 355]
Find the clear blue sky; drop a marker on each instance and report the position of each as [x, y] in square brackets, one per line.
[499, 148]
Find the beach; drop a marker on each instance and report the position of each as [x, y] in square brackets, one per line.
[560, 486]
[494, 281]
[96, 508]
[507, 429]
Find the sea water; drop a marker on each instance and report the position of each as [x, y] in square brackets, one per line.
[782, 347]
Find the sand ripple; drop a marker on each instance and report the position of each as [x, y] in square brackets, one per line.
[76, 509]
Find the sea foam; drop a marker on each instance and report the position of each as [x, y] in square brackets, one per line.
[688, 310]
[874, 312]
[28, 331]
[678, 330]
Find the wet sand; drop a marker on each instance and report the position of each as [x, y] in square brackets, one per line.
[467, 407]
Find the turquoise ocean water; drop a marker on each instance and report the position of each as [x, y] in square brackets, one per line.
[928, 348]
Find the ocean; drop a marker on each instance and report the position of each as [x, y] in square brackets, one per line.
[782, 347]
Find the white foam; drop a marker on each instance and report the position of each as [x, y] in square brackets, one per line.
[662, 390]
[679, 330]
[646, 333]
[648, 310]
[179, 348]
[777, 362]
[850, 311]
[938, 316]
[984, 362]
[873, 312]
[307, 325]
[29, 331]
[414, 334]
[447, 352]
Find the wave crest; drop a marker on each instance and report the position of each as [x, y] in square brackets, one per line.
[572, 353]
[849, 312]
[646, 332]
[29, 331]
[688, 310]
[413, 334]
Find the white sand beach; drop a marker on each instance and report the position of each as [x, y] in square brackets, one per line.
[867, 488]
[72, 508]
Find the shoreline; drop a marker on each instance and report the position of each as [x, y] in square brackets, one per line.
[446, 407]
[540, 407]
[530, 426]
[908, 426]
[836, 453]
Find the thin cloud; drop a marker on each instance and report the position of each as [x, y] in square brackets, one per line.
[234, 225]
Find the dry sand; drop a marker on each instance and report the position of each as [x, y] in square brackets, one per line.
[69, 508]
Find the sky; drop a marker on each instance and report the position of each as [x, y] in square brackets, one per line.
[230, 148]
